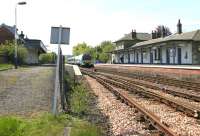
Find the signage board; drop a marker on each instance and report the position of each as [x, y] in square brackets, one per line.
[55, 33]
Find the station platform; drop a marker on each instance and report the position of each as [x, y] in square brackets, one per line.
[182, 72]
[192, 67]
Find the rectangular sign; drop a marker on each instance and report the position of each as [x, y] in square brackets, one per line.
[65, 34]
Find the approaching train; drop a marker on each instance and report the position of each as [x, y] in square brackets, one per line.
[83, 60]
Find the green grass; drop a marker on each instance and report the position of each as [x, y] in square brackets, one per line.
[46, 125]
[79, 100]
[5, 66]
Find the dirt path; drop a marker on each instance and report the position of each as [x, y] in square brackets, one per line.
[26, 90]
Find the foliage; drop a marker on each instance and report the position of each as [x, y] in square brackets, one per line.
[78, 100]
[47, 58]
[9, 50]
[161, 28]
[81, 48]
[5, 66]
[103, 51]
[45, 124]
[100, 52]
[10, 126]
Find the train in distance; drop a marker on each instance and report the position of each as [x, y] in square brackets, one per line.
[83, 60]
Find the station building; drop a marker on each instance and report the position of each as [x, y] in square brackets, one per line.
[143, 48]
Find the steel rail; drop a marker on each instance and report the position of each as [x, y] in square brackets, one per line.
[149, 116]
[173, 92]
[159, 79]
[189, 109]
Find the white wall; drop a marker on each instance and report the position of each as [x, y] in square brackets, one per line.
[146, 56]
[132, 57]
[186, 49]
[32, 57]
[164, 56]
[125, 57]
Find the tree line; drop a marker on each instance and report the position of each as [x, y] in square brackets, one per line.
[99, 53]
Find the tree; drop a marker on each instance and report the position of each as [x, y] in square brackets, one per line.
[81, 48]
[103, 51]
[8, 49]
[161, 28]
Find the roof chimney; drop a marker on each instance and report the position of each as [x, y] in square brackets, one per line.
[153, 35]
[162, 31]
[134, 34]
[179, 27]
[21, 35]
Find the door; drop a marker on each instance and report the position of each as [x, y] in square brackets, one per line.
[137, 58]
[167, 56]
[151, 57]
[179, 56]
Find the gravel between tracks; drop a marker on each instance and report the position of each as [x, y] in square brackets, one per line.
[26, 90]
[177, 121]
[122, 118]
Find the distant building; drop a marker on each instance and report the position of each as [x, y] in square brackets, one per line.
[34, 47]
[121, 53]
[179, 48]
[7, 33]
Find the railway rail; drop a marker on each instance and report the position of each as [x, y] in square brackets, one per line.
[187, 95]
[187, 108]
[157, 79]
[149, 117]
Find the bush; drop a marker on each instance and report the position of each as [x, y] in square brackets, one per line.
[47, 58]
[9, 50]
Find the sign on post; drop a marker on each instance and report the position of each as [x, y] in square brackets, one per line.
[64, 36]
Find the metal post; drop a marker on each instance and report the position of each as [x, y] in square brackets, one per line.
[57, 82]
[16, 37]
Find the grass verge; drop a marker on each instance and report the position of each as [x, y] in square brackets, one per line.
[5, 66]
[45, 125]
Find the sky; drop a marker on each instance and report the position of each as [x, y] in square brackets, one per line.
[93, 21]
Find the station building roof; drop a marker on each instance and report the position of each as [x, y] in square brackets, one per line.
[188, 36]
[139, 36]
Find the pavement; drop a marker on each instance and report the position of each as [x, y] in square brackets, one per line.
[26, 90]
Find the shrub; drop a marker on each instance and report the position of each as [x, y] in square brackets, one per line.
[9, 50]
[47, 58]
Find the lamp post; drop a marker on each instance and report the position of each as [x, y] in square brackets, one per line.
[19, 3]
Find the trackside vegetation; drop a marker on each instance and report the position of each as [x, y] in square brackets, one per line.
[46, 124]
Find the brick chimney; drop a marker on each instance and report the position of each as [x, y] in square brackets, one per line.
[163, 31]
[179, 27]
[153, 35]
[134, 34]
[21, 35]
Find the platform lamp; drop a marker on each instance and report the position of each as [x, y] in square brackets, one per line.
[16, 59]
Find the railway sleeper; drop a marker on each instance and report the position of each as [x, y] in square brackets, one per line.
[161, 99]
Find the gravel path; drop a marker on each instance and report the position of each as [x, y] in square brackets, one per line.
[123, 119]
[26, 90]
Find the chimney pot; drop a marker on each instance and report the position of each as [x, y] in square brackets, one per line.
[179, 27]
[134, 34]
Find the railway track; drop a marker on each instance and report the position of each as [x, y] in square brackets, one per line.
[187, 95]
[153, 120]
[158, 79]
[188, 109]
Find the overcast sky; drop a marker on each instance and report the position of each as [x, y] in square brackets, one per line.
[93, 21]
